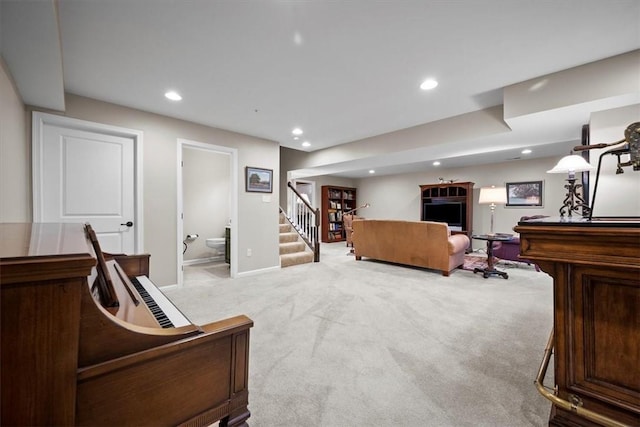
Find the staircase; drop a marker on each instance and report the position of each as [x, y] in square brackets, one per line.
[293, 250]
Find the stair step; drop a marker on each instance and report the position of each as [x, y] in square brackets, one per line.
[288, 237]
[291, 247]
[288, 260]
[285, 228]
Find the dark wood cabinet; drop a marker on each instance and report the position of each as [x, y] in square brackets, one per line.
[596, 343]
[335, 202]
[451, 203]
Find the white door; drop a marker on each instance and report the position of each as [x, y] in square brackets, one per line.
[86, 172]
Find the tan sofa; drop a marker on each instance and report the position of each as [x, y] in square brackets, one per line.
[416, 243]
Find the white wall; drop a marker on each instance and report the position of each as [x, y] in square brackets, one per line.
[206, 198]
[398, 196]
[257, 226]
[15, 160]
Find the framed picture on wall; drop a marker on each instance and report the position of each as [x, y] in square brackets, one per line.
[258, 180]
[527, 193]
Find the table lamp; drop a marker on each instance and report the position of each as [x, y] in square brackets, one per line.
[349, 212]
[491, 196]
[573, 200]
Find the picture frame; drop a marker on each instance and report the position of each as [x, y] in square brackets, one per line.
[258, 180]
[525, 193]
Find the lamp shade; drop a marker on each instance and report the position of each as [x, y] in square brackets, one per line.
[493, 194]
[571, 163]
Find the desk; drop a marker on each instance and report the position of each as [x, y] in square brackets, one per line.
[490, 269]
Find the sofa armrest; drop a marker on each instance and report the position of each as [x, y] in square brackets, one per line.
[458, 243]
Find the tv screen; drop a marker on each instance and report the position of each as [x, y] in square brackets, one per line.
[449, 212]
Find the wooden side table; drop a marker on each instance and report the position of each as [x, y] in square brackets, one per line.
[490, 269]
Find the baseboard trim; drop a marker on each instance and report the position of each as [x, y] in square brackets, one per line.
[260, 271]
[202, 260]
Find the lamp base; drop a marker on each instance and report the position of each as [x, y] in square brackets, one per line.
[573, 200]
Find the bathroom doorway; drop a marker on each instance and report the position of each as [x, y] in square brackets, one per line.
[207, 211]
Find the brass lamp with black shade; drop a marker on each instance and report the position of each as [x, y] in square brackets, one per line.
[492, 196]
[573, 200]
[366, 205]
[630, 146]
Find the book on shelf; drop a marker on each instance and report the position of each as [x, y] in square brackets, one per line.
[335, 236]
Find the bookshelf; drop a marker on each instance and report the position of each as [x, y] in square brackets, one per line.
[335, 201]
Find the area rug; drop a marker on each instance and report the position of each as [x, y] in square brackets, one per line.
[475, 261]
[472, 261]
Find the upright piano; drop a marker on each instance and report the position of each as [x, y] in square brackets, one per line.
[88, 339]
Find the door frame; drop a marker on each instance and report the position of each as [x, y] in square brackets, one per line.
[38, 122]
[233, 200]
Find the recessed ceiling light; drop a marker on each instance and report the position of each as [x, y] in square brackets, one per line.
[428, 84]
[295, 138]
[526, 151]
[173, 95]
[372, 171]
[306, 144]
[297, 131]
[436, 163]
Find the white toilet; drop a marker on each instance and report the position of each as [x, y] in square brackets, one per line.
[216, 243]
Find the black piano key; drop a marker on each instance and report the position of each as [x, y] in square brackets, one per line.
[157, 312]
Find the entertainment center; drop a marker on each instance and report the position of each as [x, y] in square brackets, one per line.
[451, 203]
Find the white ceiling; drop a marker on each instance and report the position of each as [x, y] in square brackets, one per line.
[340, 70]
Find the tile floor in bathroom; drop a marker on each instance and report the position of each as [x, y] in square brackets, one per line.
[201, 274]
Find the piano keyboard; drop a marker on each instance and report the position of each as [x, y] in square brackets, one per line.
[167, 315]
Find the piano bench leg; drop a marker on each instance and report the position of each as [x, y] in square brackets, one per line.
[237, 418]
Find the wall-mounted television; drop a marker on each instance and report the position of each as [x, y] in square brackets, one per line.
[450, 212]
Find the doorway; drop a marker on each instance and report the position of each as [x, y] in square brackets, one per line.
[89, 172]
[207, 206]
[307, 188]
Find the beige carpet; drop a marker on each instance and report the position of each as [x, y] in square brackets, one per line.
[364, 343]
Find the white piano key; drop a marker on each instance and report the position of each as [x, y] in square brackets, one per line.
[177, 318]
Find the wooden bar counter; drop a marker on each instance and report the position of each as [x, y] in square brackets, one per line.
[596, 342]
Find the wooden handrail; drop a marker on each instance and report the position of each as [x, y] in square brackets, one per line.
[310, 236]
[290, 185]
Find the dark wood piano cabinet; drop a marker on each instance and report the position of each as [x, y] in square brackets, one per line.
[66, 360]
[596, 270]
